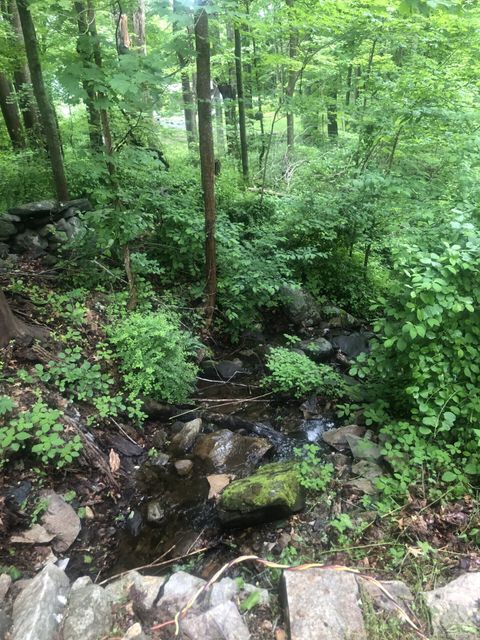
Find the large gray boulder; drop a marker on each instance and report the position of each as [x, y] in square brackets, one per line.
[34, 209]
[323, 604]
[455, 608]
[89, 613]
[38, 609]
[300, 307]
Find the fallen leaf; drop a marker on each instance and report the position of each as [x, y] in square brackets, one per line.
[114, 461]
[218, 482]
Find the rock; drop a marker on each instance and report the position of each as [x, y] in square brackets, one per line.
[228, 451]
[396, 588]
[184, 440]
[61, 520]
[228, 369]
[155, 511]
[178, 591]
[35, 535]
[323, 604]
[7, 228]
[16, 496]
[134, 522]
[144, 589]
[272, 493]
[339, 317]
[4, 249]
[367, 469]
[217, 483]
[10, 217]
[160, 461]
[47, 230]
[222, 622]
[318, 350]
[30, 242]
[454, 608]
[39, 608]
[5, 582]
[363, 485]
[135, 632]
[89, 613]
[5, 624]
[71, 212]
[338, 437]
[80, 204]
[65, 226]
[300, 307]
[183, 467]
[364, 449]
[228, 589]
[353, 344]
[34, 209]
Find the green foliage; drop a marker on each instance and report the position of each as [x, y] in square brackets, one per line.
[37, 432]
[155, 356]
[314, 474]
[296, 374]
[424, 368]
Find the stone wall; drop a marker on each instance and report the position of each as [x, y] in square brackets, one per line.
[39, 229]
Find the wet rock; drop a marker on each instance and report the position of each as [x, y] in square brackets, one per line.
[134, 522]
[229, 451]
[353, 344]
[363, 448]
[178, 591]
[155, 511]
[318, 350]
[160, 461]
[5, 582]
[338, 437]
[272, 493]
[339, 318]
[89, 613]
[144, 589]
[300, 307]
[183, 467]
[38, 610]
[321, 604]
[222, 622]
[7, 228]
[17, 495]
[135, 632]
[454, 608]
[61, 520]
[184, 440]
[397, 589]
[228, 589]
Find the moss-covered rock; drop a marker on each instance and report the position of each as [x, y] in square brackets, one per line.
[271, 493]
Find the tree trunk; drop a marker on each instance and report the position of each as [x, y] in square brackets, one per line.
[332, 122]
[292, 80]
[85, 52]
[187, 93]
[207, 159]
[138, 23]
[47, 112]
[229, 98]
[122, 36]
[11, 114]
[241, 104]
[12, 327]
[219, 131]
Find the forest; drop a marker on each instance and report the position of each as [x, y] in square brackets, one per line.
[239, 313]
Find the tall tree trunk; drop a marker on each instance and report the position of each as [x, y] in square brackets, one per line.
[47, 112]
[219, 131]
[292, 80]
[229, 100]
[11, 114]
[122, 36]
[187, 93]
[207, 159]
[241, 103]
[332, 121]
[85, 52]
[138, 23]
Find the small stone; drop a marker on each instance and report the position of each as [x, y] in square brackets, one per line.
[144, 589]
[363, 485]
[338, 437]
[5, 582]
[155, 511]
[183, 467]
[61, 520]
[367, 469]
[89, 613]
[135, 632]
[89, 513]
[454, 608]
[184, 440]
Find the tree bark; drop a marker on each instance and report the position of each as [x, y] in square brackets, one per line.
[207, 159]
[332, 121]
[138, 23]
[11, 114]
[292, 80]
[187, 93]
[241, 104]
[229, 98]
[47, 112]
[219, 131]
[12, 327]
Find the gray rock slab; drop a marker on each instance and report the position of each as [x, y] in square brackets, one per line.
[5, 582]
[89, 612]
[398, 591]
[455, 608]
[133, 584]
[338, 437]
[34, 209]
[61, 520]
[222, 622]
[38, 609]
[180, 588]
[323, 604]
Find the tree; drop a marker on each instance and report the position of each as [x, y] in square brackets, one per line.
[182, 43]
[11, 115]
[292, 78]
[45, 106]
[241, 103]
[207, 159]
[12, 327]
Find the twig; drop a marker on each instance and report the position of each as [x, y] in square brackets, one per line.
[123, 431]
[224, 404]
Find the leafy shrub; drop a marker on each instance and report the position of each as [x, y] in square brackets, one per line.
[155, 356]
[424, 369]
[297, 374]
[315, 475]
[37, 431]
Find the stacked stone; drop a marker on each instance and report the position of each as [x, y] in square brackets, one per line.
[39, 229]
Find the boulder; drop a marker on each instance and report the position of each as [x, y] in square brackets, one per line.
[7, 228]
[30, 242]
[272, 493]
[337, 438]
[61, 520]
[454, 608]
[300, 307]
[363, 448]
[318, 349]
[183, 441]
[223, 370]
[5, 582]
[323, 604]
[38, 609]
[222, 622]
[178, 591]
[183, 467]
[353, 344]
[132, 585]
[229, 451]
[339, 318]
[34, 209]
[89, 612]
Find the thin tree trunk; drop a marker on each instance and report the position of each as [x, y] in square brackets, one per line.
[207, 159]
[138, 23]
[12, 327]
[228, 94]
[292, 80]
[332, 121]
[11, 114]
[241, 104]
[349, 86]
[121, 34]
[219, 131]
[85, 52]
[47, 112]
[187, 93]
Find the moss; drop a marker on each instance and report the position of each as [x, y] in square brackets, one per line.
[274, 484]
